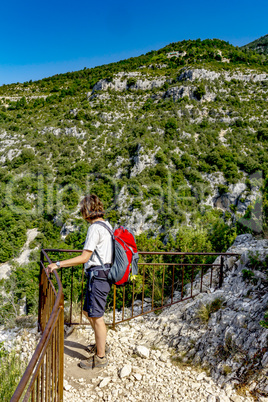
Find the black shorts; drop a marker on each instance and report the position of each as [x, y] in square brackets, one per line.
[95, 300]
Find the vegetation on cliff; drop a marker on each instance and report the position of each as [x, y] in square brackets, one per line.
[162, 140]
[259, 45]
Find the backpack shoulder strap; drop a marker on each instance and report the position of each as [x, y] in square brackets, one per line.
[105, 226]
[100, 260]
[101, 223]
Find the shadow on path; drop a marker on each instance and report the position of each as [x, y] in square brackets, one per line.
[74, 352]
[73, 349]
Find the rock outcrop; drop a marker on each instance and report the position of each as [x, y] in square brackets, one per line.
[203, 74]
[231, 344]
[121, 84]
[142, 160]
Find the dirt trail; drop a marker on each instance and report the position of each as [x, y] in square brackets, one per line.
[74, 352]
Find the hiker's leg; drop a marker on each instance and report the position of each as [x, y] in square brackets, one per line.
[95, 306]
[90, 319]
[100, 335]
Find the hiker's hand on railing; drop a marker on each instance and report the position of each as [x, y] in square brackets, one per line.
[51, 267]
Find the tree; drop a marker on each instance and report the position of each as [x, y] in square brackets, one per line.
[131, 82]
[200, 91]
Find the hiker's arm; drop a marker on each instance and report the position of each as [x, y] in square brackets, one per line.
[80, 259]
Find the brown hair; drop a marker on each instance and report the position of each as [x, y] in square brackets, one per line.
[91, 207]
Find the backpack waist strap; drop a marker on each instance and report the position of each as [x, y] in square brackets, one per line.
[98, 272]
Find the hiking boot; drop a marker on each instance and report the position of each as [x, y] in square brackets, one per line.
[94, 362]
[92, 349]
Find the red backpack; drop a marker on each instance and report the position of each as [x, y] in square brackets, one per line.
[125, 255]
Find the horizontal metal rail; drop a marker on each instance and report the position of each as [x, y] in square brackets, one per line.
[162, 283]
[62, 250]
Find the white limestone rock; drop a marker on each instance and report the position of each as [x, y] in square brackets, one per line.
[125, 371]
[142, 351]
[104, 382]
[264, 361]
[143, 160]
[203, 74]
[120, 83]
[164, 357]
[5, 270]
[137, 376]
[66, 386]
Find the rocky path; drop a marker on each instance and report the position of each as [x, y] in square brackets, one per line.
[137, 370]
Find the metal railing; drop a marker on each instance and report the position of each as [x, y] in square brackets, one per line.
[165, 278]
[43, 378]
[173, 278]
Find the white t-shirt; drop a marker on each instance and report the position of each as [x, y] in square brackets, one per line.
[98, 238]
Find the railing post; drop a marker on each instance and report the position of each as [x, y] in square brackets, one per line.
[40, 292]
[221, 272]
[61, 350]
[71, 306]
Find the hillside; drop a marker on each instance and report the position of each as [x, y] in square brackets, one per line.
[259, 45]
[173, 141]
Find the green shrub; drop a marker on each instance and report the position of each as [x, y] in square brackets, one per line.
[264, 323]
[137, 203]
[171, 124]
[247, 274]
[226, 370]
[262, 134]
[205, 310]
[257, 263]
[200, 91]
[131, 81]
[222, 189]
[11, 240]
[11, 370]
[221, 235]
[148, 104]
[161, 157]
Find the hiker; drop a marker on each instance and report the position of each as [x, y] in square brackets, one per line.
[98, 239]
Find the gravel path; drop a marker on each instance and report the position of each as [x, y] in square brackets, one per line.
[137, 371]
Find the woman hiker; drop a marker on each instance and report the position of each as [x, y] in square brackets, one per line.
[100, 240]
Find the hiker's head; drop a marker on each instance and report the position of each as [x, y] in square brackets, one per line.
[91, 208]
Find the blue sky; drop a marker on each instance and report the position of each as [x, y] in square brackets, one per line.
[40, 39]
